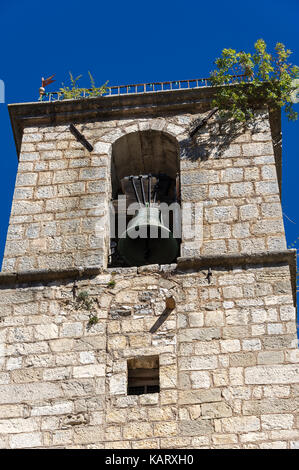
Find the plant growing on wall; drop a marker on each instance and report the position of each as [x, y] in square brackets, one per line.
[267, 77]
[93, 320]
[84, 301]
[95, 91]
[111, 284]
[74, 92]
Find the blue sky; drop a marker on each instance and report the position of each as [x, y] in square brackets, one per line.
[132, 42]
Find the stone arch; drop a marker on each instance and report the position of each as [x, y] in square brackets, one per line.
[143, 152]
[141, 148]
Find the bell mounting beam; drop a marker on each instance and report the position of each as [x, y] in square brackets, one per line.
[141, 179]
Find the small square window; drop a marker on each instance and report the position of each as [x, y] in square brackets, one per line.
[143, 375]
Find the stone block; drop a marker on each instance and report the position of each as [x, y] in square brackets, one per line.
[236, 375]
[240, 424]
[118, 384]
[231, 175]
[93, 173]
[62, 437]
[102, 148]
[72, 329]
[87, 357]
[243, 189]
[230, 345]
[195, 428]
[277, 421]
[87, 435]
[200, 177]
[251, 344]
[92, 370]
[276, 391]
[232, 292]
[214, 318]
[214, 246]
[243, 359]
[270, 405]
[275, 328]
[287, 313]
[195, 319]
[145, 444]
[269, 172]
[251, 174]
[215, 410]
[20, 334]
[117, 342]
[257, 148]
[272, 374]
[220, 231]
[27, 375]
[165, 429]
[218, 191]
[44, 332]
[198, 363]
[249, 212]
[18, 425]
[59, 408]
[168, 376]
[29, 156]
[221, 214]
[234, 332]
[202, 348]
[57, 373]
[224, 439]
[26, 440]
[200, 334]
[236, 317]
[187, 397]
[264, 188]
[137, 431]
[51, 154]
[149, 399]
[271, 210]
[200, 379]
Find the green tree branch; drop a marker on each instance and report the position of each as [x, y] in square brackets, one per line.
[267, 77]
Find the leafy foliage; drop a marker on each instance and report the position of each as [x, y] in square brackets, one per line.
[93, 320]
[83, 301]
[267, 78]
[74, 92]
[111, 283]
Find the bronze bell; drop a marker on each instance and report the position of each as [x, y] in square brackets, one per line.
[147, 240]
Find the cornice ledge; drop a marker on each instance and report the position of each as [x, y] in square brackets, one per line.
[41, 275]
[183, 264]
[233, 259]
[240, 259]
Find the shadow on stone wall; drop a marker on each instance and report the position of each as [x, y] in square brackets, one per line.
[214, 138]
[211, 141]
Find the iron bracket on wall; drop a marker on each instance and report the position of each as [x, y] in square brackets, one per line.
[80, 137]
[198, 123]
[209, 275]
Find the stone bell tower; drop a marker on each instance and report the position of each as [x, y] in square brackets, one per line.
[96, 352]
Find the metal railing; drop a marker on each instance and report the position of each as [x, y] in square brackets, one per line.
[139, 88]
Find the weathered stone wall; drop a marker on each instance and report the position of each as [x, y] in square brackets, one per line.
[229, 370]
[228, 356]
[233, 173]
[63, 191]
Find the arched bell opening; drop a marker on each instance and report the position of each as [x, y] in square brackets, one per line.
[144, 186]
